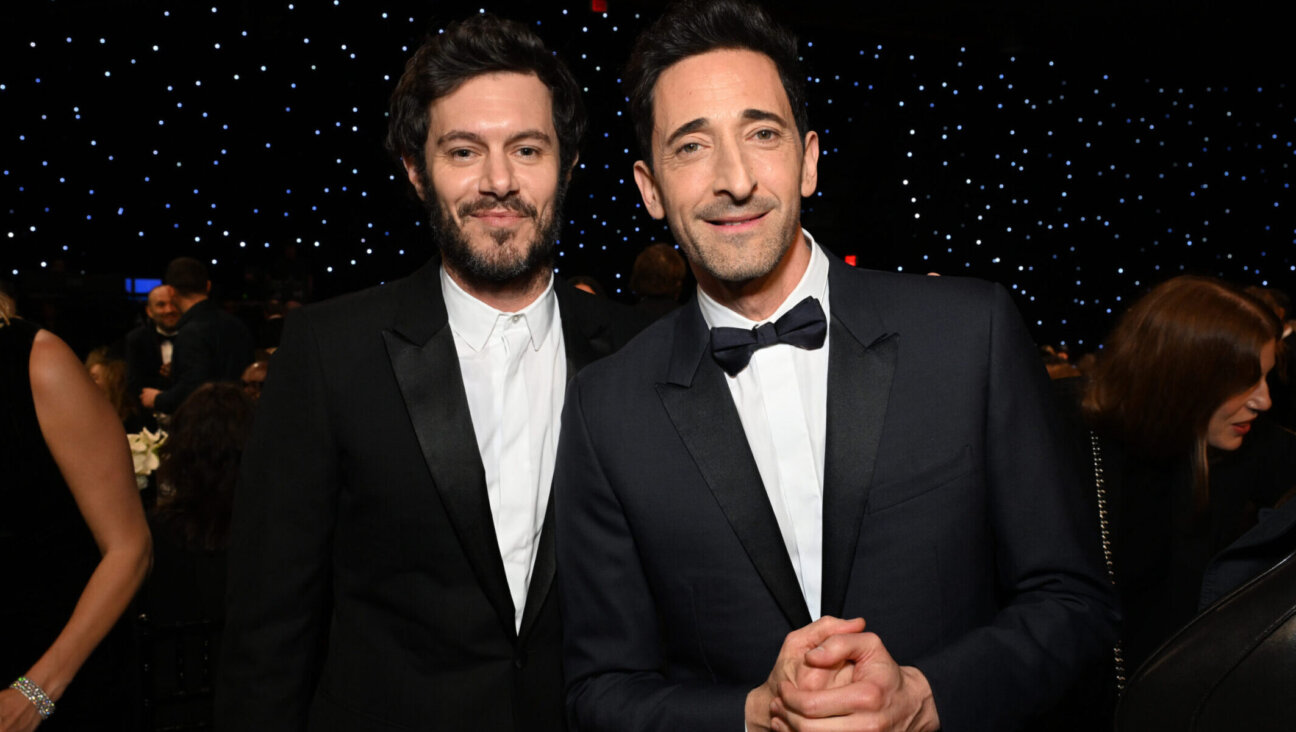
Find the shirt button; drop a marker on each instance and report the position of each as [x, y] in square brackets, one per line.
[516, 318]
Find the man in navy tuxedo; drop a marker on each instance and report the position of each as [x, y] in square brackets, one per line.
[794, 447]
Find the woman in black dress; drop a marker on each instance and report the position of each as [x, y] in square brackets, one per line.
[1176, 403]
[73, 535]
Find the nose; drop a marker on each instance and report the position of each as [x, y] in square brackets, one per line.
[1260, 400]
[497, 177]
[733, 176]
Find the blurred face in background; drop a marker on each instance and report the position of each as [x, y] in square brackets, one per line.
[254, 377]
[99, 374]
[1232, 420]
[161, 307]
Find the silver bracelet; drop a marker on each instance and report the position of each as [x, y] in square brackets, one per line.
[35, 695]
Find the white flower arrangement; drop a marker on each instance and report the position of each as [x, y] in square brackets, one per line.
[144, 452]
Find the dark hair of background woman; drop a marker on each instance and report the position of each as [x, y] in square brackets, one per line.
[200, 461]
[1174, 357]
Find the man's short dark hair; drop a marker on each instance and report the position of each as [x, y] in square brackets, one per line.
[693, 27]
[480, 44]
[187, 275]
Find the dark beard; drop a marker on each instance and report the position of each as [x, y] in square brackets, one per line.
[457, 252]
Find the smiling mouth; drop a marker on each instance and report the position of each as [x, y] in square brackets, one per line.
[735, 222]
[500, 220]
[497, 215]
[497, 212]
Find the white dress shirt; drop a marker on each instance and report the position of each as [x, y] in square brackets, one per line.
[514, 371]
[165, 345]
[782, 400]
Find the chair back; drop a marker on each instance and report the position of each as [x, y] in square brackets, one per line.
[176, 667]
[1233, 667]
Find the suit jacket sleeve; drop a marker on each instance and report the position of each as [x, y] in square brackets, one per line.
[189, 366]
[1058, 612]
[280, 547]
[612, 649]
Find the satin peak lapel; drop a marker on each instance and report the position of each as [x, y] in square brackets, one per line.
[861, 366]
[699, 404]
[427, 370]
[542, 572]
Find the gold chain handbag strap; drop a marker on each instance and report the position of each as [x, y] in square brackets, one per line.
[1104, 528]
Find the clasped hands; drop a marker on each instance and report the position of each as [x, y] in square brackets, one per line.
[831, 675]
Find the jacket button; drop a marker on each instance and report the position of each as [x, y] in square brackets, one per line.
[519, 661]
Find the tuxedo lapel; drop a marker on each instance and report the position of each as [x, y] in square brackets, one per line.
[580, 337]
[861, 365]
[700, 406]
[542, 572]
[423, 357]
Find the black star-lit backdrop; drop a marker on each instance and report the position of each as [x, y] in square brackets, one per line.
[1076, 171]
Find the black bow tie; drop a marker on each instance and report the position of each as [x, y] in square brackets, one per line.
[804, 326]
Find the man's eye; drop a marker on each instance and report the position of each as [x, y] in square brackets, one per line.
[528, 151]
[461, 154]
[688, 147]
[766, 134]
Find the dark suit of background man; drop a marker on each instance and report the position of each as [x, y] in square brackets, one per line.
[391, 556]
[150, 346]
[210, 344]
[705, 519]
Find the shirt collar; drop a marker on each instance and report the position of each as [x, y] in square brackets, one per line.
[814, 283]
[474, 321]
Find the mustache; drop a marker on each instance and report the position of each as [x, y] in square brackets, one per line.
[512, 203]
[751, 207]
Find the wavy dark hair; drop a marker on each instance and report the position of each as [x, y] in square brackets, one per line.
[1173, 358]
[480, 44]
[200, 462]
[693, 27]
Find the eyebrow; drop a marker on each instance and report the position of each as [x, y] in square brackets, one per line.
[762, 115]
[749, 115]
[473, 137]
[686, 128]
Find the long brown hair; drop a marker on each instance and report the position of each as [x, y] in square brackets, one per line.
[1174, 357]
[200, 461]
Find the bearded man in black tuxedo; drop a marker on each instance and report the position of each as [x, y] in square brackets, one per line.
[795, 447]
[391, 554]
